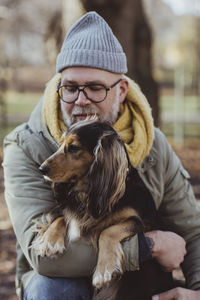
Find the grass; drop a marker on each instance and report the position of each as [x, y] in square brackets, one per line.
[18, 109]
[190, 130]
[188, 109]
[190, 103]
[18, 103]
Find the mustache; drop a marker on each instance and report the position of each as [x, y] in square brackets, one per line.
[83, 111]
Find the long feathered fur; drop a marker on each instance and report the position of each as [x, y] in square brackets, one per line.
[106, 179]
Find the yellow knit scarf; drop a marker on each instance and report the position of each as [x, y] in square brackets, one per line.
[134, 125]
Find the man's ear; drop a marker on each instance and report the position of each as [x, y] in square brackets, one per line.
[123, 89]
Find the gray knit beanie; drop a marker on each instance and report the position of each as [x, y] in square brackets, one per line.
[90, 42]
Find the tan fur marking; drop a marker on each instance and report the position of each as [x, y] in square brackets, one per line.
[62, 138]
[71, 139]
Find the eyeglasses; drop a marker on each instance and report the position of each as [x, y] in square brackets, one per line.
[94, 92]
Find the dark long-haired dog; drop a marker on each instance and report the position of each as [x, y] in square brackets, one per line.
[99, 196]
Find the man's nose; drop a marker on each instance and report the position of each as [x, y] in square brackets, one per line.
[82, 99]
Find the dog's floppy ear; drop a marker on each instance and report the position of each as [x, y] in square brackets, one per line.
[107, 175]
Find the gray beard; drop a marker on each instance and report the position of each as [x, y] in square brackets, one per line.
[111, 117]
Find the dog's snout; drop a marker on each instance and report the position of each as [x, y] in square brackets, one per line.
[44, 169]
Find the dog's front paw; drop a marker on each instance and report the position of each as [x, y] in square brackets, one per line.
[109, 266]
[46, 246]
[50, 240]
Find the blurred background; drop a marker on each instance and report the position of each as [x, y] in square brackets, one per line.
[162, 41]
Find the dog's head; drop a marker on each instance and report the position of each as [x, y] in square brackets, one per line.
[93, 152]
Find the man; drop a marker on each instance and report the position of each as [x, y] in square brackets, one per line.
[90, 81]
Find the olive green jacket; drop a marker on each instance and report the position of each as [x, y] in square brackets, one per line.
[28, 196]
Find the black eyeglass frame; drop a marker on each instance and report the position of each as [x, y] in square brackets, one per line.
[82, 87]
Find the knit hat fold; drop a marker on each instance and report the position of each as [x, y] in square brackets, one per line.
[91, 43]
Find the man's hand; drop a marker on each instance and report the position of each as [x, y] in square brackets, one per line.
[168, 248]
[178, 294]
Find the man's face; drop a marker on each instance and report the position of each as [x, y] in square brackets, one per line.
[82, 108]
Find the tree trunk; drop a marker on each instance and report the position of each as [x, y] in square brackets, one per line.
[128, 22]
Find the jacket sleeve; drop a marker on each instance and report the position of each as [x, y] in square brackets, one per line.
[28, 196]
[180, 213]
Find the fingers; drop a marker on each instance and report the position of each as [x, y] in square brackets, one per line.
[178, 294]
[169, 295]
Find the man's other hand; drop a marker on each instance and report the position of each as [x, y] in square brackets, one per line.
[178, 294]
[168, 248]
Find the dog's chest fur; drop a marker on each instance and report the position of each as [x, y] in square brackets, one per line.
[73, 230]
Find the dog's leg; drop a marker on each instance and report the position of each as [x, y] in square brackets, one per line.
[111, 256]
[51, 240]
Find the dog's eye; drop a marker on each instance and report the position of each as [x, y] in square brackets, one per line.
[73, 148]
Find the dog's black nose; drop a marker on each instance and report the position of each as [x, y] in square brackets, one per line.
[44, 169]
